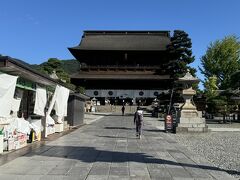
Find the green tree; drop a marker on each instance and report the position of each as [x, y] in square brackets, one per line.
[235, 80]
[62, 68]
[211, 87]
[80, 89]
[70, 66]
[180, 54]
[55, 65]
[222, 58]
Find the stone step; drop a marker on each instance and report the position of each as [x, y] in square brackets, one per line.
[192, 125]
[191, 130]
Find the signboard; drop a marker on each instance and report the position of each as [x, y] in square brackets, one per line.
[168, 123]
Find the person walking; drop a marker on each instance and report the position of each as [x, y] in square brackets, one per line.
[138, 121]
[123, 110]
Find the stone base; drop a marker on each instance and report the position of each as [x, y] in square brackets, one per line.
[191, 129]
[191, 117]
[192, 125]
[58, 127]
[66, 126]
[191, 121]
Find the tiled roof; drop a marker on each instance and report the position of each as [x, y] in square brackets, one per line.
[124, 40]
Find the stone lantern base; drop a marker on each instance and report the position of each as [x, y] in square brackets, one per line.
[191, 121]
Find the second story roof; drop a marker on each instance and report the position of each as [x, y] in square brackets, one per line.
[123, 41]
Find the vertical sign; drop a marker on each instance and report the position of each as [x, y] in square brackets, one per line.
[168, 123]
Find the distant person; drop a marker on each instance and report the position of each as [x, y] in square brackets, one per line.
[138, 120]
[123, 110]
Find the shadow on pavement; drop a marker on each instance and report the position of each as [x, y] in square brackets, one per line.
[119, 137]
[118, 128]
[125, 128]
[126, 114]
[92, 155]
[154, 130]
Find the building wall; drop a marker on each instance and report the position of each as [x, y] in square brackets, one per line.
[75, 113]
[117, 109]
[128, 93]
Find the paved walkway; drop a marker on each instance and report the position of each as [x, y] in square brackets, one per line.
[108, 149]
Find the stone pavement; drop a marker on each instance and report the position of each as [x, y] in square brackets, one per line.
[108, 149]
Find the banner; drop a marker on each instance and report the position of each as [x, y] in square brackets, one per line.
[7, 89]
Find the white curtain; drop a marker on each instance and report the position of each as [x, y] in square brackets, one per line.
[61, 102]
[60, 99]
[7, 89]
[40, 101]
[15, 104]
[49, 119]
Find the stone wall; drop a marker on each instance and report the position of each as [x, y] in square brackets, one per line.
[117, 109]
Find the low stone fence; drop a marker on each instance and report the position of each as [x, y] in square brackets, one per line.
[117, 109]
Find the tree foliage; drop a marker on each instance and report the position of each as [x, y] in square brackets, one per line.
[53, 65]
[70, 66]
[217, 105]
[211, 87]
[222, 58]
[181, 54]
[235, 80]
[80, 89]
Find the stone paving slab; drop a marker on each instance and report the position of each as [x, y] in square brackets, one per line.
[224, 129]
[108, 149]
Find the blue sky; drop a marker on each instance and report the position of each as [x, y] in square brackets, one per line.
[34, 31]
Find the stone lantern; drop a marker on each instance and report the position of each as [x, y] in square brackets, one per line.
[190, 119]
